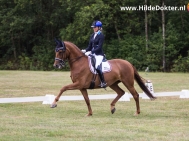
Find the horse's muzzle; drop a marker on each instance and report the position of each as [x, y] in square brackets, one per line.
[60, 63]
[59, 66]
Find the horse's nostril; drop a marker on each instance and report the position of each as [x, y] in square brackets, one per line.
[55, 66]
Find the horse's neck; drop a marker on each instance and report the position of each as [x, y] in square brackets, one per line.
[78, 64]
[74, 51]
[75, 55]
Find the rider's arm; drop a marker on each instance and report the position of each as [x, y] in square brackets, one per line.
[89, 48]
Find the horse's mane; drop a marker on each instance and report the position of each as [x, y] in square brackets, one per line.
[73, 45]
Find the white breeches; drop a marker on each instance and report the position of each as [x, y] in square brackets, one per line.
[99, 59]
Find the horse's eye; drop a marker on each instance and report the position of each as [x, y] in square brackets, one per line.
[60, 53]
[56, 50]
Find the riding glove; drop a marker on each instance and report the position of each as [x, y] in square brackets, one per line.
[83, 50]
[87, 53]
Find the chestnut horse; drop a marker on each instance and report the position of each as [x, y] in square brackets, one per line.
[122, 71]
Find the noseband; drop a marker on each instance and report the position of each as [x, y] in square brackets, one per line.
[61, 61]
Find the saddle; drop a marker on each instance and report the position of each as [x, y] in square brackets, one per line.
[106, 67]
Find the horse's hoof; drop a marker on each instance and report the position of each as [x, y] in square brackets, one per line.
[113, 110]
[88, 115]
[53, 105]
[136, 114]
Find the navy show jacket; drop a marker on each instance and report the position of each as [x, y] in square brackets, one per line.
[95, 45]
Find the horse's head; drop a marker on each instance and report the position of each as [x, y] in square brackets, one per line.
[59, 54]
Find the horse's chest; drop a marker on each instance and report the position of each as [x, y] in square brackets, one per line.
[74, 77]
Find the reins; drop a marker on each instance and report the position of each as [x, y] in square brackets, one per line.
[75, 59]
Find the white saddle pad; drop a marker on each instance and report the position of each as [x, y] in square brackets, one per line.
[106, 67]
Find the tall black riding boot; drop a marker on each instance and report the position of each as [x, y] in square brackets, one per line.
[99, 71]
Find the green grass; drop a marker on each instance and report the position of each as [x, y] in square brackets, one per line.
[163, 119]
[39, 83]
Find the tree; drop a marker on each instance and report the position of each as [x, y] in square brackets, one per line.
[146, 26]
[163, 36]
[145, 38]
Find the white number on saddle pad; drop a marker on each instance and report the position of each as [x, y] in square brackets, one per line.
[106, 67]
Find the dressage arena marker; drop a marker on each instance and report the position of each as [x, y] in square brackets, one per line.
[49, 98]
[149, 85]
[185, 94]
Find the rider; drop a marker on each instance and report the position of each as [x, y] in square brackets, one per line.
[95, 48]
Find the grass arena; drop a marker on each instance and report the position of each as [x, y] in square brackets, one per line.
[165, 118]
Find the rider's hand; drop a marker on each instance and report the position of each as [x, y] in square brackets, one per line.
[87, 53]
[83, 50]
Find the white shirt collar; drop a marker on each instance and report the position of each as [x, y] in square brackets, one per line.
[95, 34]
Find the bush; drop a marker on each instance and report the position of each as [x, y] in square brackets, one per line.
[181, 64]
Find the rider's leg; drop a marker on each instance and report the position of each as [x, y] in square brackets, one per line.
[98, 67]
[99, 71]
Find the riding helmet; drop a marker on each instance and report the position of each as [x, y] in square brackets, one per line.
[96, 24]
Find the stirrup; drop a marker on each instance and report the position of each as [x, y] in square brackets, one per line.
[103, 85]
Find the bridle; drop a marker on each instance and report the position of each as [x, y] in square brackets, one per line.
[62, 63]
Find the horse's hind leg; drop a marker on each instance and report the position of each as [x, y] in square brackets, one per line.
[136, 98]
[119, 92]
[134, 94]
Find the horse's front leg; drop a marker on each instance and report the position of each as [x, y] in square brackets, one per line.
[86, 97]
[119, 92]
[68, 87]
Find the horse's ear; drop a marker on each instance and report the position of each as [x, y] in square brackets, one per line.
[56, 41]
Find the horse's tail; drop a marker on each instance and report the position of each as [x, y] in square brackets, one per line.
[142, 85]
